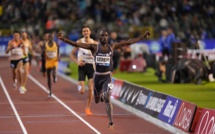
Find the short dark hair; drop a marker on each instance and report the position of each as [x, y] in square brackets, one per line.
[104, 30]
[16, 31]
[85, 26]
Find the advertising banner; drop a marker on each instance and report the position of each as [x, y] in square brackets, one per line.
[62, 65]
[185, 116]
[196, 118]
[3, 43]
[206, 122]
[169, 110]
[155, 104]
[129, 93]
[117, 88]
[65, 49]
[143, 98]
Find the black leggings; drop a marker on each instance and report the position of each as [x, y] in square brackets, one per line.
[49, 71]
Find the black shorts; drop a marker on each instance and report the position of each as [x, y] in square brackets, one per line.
[86, 70]
[25, 60]
[30, 58]
[13, 63]
[101, 84]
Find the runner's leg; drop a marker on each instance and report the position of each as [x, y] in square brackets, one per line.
[49, 81]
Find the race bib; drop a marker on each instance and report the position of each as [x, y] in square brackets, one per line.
[51, 54]
[103, 60]
[87, 59]
[17, 51]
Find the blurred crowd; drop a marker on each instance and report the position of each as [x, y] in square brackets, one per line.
[37, 16]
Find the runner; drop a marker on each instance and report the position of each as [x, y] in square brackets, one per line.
[26, 60]
[16, 49]
[42, 52]
[103, 55]
[51, 58]
[85, 63]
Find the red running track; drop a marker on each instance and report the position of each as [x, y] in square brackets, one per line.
[35, 113]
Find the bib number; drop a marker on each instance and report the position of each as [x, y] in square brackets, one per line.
[51, 54]
[87, 59]
[17, 51]
[103, 60]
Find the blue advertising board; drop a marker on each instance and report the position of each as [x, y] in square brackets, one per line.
[3, 43]
[155, 104]
[170, 109]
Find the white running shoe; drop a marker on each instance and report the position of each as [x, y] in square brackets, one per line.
[21, 91]
[15, 84]
[50, 95]
[55, 79]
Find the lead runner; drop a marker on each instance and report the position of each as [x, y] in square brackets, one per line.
[103, 55]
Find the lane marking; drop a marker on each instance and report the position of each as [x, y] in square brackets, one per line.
[13, 107]
[63, 104]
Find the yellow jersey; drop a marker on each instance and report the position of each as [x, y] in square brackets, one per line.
[51, 54]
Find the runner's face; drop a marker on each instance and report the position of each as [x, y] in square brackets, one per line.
[46, 37]
[103, 37]
[16, 36]
[86, 32]
[24, 35]
[50, 37]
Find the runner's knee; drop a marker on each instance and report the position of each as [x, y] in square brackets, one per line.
[107, 96]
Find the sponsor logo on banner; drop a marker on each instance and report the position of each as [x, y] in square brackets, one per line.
[206, 122]
[143, 98]
[185, 115]
[117, 88]
[62, 65]
[129, 93]
[169, 110]
[3, 43]
[155, 104]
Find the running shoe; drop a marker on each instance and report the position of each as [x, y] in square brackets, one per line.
[80, 89]
[88, 112]
[50, 95]
[111, 126]
[15, 84]
[55, 79]
[21, 91]
[24, 89]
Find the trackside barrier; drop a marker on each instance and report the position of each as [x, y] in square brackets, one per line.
[179, 115]
[175, 115]
[185, 116]
[62, 65]
[3, 44]
[206, 122]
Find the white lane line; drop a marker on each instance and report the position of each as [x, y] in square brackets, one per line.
[13, 107]
[63, 104]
